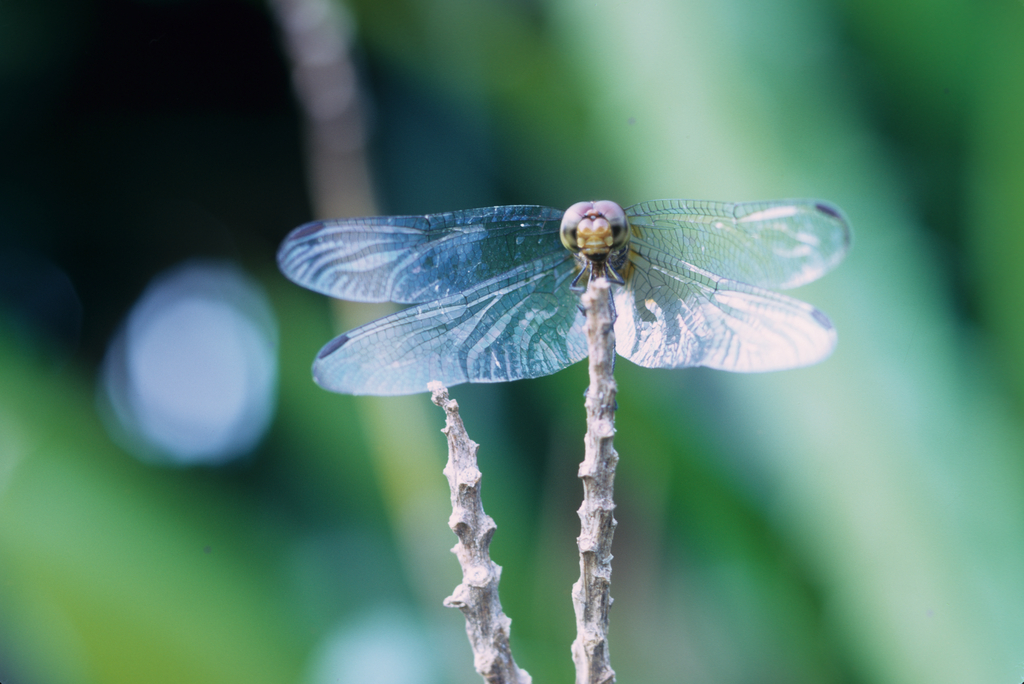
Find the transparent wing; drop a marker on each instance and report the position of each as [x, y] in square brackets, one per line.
[412, 259]
[523, 324]
[778, 244]
[670, 319]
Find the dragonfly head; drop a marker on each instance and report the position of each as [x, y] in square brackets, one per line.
[594, 229]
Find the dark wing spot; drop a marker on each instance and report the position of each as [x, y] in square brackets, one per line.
[332, 346]
[823, 319]
[828, 209]
[833, 212]
[308, 229]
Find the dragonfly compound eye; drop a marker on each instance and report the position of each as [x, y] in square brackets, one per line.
[617, 220]
[570, 224]
[594, 229]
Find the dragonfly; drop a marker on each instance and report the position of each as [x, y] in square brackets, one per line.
[493, 293]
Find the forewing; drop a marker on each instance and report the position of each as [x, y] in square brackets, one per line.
[412, 259]
[778, 244]
[670, 320]
[524, 324]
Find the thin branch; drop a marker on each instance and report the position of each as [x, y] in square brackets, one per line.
[477, 596]
[591, 593]
[317, 36]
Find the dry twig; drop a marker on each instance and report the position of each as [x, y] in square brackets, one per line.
[477, 596]
[591, 593]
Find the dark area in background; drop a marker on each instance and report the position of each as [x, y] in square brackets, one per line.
[925, 126]
[426, 156]
[166, 131]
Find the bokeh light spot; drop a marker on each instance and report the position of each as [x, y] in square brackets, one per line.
[192, 376]
[386, 647]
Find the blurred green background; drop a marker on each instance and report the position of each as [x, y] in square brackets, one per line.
[861, 521]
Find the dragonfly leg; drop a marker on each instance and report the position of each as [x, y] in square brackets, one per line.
[613, 275]
[575, 286]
